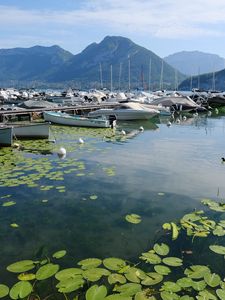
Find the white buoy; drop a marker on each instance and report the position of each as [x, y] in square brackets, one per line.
[141, 128]
[195, 114]
[184, 118]
[81, 141]
[61, 152]
[209, 113]
[178, 121]
[169, 123]
[123, 132]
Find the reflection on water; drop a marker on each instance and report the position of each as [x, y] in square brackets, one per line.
[159, 173]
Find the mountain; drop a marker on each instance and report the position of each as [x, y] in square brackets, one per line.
[114, 55]
[35, 63]
[195, 62]
[208, 81]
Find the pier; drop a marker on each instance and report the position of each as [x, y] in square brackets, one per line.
[9, 115]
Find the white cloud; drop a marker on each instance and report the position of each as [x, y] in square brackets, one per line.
[157, 18]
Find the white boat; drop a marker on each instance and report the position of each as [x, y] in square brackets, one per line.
[15, 130]
[5, 136]
[66, 119]
[31, 130]
[126, 111]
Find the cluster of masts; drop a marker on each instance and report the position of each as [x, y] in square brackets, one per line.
[195, 100]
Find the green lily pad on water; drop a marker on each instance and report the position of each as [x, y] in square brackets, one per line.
[68, 273]
[90, 263]
[114, 264]
[172, 261]
[96, 292]
[59, 254]
[217, 249]
[4, 290]
[20, 290]
[21, 266]
[47, 271]
[151, 258]
[163, 270]
[113, 278]
[8, 203]
[70, 285]
[128, 289]
[133, 218]
[212, 280]
[161, 249]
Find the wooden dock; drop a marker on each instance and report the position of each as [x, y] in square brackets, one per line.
[30, 114]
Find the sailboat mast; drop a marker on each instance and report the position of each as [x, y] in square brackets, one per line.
[149, 74]
[100, 70]
[120, 71]
[129, 73]
[161, 77]
[111, 83]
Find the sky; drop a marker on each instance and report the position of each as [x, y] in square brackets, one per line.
[162, 26]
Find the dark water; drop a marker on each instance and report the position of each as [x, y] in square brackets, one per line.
[160, 174]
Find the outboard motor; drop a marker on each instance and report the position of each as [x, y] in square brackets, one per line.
[112, 121]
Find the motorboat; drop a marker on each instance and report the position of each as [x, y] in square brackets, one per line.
[178, 103]
[75, 120]
[126, 111]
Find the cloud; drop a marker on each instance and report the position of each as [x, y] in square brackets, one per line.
[156, 18]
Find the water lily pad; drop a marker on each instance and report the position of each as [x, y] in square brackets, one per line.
[26, 276]
[59, 254]
[152, 278]
[8, 203]
[169, 296]
[128, 289]
[172, 261]
[163, 270]
[47, 271]
[117, 297]
[206, 295]
[212, 280]
[70, 284]
[113, 278]
[4, 290]
[68, 273]
[142, 296]
[199, 285]
[221, 293]
[161, 249]
[217, 249]
[96, 292]
[14, 225]
[151, 258]
[133, 218]
[95, 274]
[20, 290]
[21, 266]
[196, 271]
[114, 264]
[89, 263]
[185, 282]
[170, 286]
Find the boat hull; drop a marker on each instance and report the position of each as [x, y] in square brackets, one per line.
[32, 130]
[128, 114]
[6, 136]
[65, 119]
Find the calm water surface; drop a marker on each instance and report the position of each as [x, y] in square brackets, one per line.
[79, 202]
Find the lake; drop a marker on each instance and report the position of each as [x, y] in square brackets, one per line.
[79, 202]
